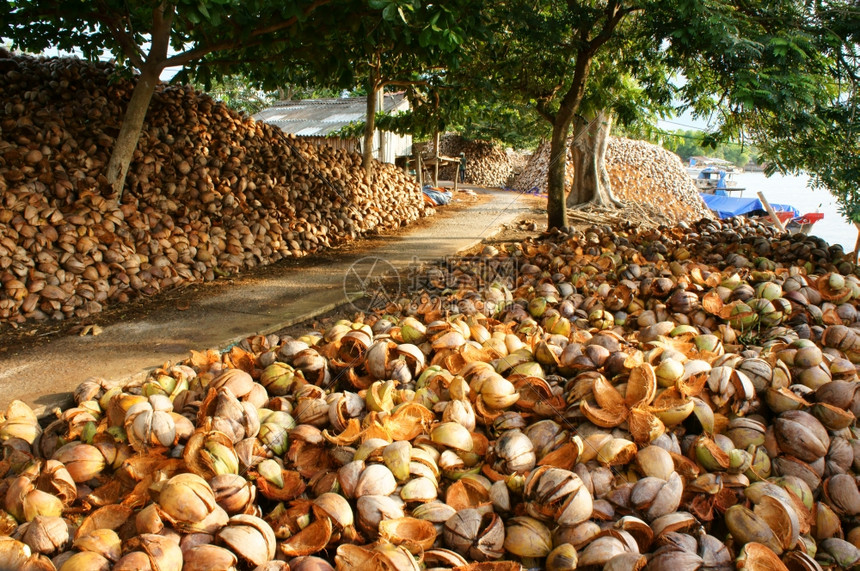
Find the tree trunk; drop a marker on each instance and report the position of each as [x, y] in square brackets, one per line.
[369, 128]
[129, 132]
[556, 207]
[590, 178]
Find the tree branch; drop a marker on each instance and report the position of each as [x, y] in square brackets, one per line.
[129, 47]
[196, 53]
[542, 110]
[614, 15]
[162, 23]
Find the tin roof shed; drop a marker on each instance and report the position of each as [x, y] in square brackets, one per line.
[322, 117]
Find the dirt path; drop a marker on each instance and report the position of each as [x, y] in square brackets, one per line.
[42, 370]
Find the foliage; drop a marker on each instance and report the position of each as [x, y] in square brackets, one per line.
[413, 46]
[822, 135]
[513, 126]
[238, 94]
[690, 143]
[550, 57]
[194, 28]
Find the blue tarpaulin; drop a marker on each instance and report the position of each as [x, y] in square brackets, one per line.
[728, 206]
[437, 195]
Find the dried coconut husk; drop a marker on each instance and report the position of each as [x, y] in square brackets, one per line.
[467, 493]
[641, 386]
[563, 457]
[312, 539]
[309, 458]
[293, 487]
[644, 426]
[414, 534]
[355, 557]
[108, 517]
[409, 420]
[490, 566]
[536, 395]
[198, 462]
[352, 433]
[640, 530]
[828, 292]
[140, 472]
[757, 557]
[782, 519]
[672, 407]
[610, 410]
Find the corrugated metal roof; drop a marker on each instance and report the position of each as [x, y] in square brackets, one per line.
[321, 117]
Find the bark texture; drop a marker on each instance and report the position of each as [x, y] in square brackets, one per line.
[369, 127]
[591, 183]
[561, 121]
[129, 132]
[135, 114]
[556, 207]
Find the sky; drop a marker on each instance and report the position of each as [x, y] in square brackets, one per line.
[684, 121]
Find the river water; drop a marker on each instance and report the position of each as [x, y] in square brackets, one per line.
[793, 190]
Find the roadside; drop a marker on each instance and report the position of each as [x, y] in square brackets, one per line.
[136, 339]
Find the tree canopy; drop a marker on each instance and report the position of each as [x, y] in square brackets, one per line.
[820, 134]
[412, 46]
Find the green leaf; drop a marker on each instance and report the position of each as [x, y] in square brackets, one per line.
[425, 38]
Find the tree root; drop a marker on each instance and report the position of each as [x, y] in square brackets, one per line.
[640, 214]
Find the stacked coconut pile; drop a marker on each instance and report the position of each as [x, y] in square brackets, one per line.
[519, 162]
[630, 399]
[639, 171]
[487, 164]
[649, 173]
[209, 192]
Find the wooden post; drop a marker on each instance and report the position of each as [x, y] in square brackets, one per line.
[770, 211]
[419, 169]
[436, 166]
[456, 176]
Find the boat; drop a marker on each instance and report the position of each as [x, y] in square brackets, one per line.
[714, 176]
[717, 180]
[728, 206]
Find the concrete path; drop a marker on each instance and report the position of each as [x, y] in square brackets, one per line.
[45, 375]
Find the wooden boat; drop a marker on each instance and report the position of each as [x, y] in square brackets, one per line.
[716, 180]
[729, 206]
